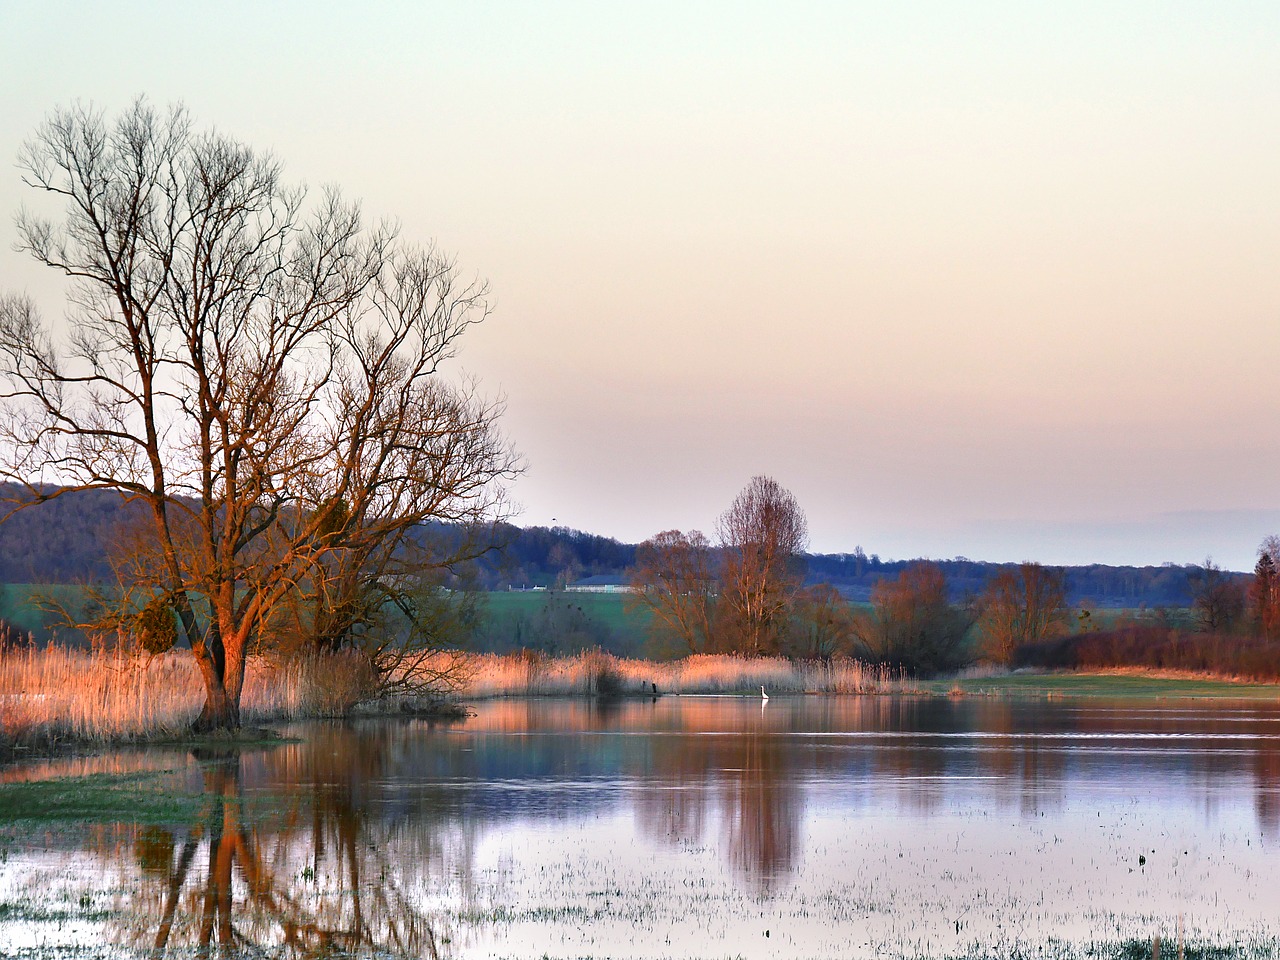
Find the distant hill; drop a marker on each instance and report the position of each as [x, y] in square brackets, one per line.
[65, 541]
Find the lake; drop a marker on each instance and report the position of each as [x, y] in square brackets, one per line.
[689, 827]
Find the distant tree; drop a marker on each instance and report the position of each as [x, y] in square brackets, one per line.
[912, 624]
[258, 372]
[821, 623]
[1264, 591]
[1218, 598]
[762, 535]
[674, 579]
[1022, 606]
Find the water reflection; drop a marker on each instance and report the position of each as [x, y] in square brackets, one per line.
[741, 769]
[308, 874]
[406, 839]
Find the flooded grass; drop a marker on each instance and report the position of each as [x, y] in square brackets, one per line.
[149, 797]
[909, 828]
[1129, 685]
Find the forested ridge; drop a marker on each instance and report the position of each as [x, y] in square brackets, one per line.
[67, 540]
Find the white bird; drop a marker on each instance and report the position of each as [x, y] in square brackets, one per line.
[763, 695]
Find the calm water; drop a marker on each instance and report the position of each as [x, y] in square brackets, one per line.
[692, 827]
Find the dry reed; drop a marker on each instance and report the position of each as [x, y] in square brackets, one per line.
[530, 674]
[54, 694]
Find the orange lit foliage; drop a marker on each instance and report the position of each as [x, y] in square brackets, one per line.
[763, 534]
[673, 578]
[821, 623]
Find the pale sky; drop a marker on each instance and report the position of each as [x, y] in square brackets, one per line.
[985, 279]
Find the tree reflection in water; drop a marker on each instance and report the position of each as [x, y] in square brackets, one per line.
[396, 838]
[312, 879]
[745, 768]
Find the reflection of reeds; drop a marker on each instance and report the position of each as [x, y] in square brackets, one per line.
[529, 674]
[55, 694]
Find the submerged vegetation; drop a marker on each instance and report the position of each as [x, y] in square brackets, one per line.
[916, 828]
[142, 797]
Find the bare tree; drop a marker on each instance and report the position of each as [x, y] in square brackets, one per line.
[1264, 591]
[673, 578]
[762, 534]
[822, 623]
[1217, 596]
[259, 370]
[1022, 606]
[912, 624]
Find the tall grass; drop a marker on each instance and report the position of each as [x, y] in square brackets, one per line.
[53, 694]
[530, 674]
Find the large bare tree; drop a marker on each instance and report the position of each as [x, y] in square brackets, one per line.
[763, 534]
[255, 365]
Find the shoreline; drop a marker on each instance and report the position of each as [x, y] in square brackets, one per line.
[1047, 686]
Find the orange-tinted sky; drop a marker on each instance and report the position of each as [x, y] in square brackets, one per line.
[967, 278]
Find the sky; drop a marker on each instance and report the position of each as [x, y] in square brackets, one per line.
[991, 279]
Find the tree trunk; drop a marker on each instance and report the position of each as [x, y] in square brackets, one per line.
[219, 712]
[222, 663]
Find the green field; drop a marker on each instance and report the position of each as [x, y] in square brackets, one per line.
[558, 622]
[548, 620]
[604, 607]
[20, 604]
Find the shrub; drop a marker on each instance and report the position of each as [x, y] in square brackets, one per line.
[1157, 647]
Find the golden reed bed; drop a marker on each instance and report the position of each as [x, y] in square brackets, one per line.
[53, 694]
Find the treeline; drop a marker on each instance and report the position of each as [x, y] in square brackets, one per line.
[64, 540]
[739, 594]
[67, 540]
[1169, 584]
[547, 556]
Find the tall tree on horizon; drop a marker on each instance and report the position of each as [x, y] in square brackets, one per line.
[763, 535]
[1264, 591]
